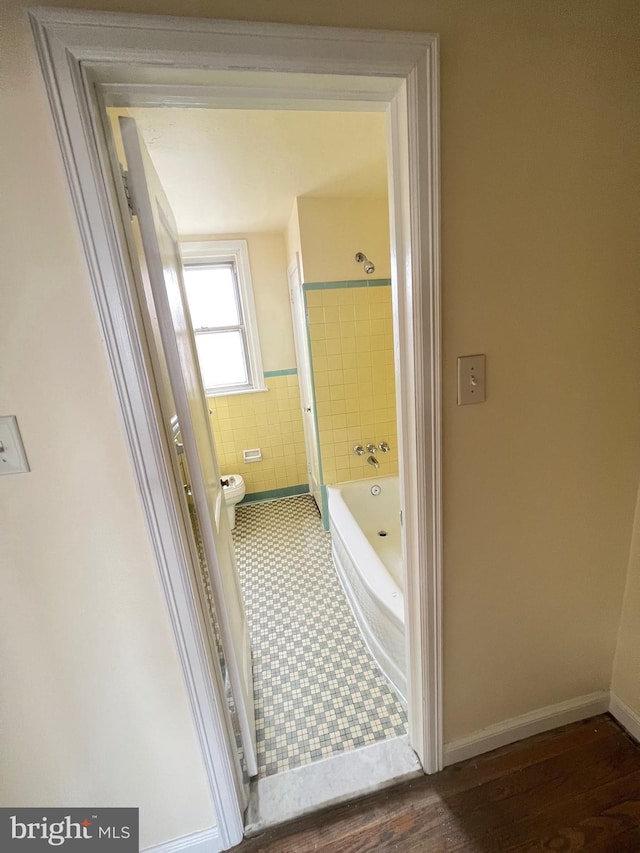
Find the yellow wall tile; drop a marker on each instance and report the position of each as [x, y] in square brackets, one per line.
[315, 315]
[347, 312]
[271, 421]
[331, 314]
[354, 380]
[331, 297]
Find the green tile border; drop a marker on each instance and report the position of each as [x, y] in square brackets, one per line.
[343, 285]
[289, 371]
[325, 507]
[274, 494]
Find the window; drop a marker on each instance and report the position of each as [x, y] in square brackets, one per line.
[218, 283]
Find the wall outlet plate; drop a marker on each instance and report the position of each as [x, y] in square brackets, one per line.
[471, 379]
[13, 459]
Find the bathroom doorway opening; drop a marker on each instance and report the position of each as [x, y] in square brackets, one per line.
[86, 59]
[285, 202]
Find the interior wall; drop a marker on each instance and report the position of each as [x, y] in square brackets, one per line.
[94, 706]
[332, 230]
[626, 671]
[351, 341]
[272, 421]
[540, 263]
[292, 240]
[268, 262]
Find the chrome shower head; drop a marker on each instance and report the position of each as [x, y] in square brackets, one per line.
[369, 267]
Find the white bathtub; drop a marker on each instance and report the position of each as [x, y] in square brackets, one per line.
[370, 567]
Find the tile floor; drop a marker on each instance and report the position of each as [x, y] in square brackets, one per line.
[318, 692]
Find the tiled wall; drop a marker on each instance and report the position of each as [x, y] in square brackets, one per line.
[351, 338]
[269, 420]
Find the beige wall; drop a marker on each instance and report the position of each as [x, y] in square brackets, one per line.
[626, 671]
[292, 240]
[94, 708]
[268, 261]
[541, 211]
[332, 230]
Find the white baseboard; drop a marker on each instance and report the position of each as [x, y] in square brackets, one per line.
[205, 841]
[519, 728]
[627, 718]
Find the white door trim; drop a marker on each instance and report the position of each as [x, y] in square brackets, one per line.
[296, 301]
[399, 70]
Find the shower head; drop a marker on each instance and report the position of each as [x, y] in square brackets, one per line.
[369, 267]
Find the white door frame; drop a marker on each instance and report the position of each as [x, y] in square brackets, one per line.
[307, 404]
[148, 56]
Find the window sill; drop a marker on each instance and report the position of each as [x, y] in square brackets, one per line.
[256, 390]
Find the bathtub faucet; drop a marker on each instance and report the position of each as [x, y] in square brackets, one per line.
[373, 461]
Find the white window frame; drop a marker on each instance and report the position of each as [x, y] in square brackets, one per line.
[235, 252]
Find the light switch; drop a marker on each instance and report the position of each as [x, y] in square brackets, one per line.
[471, 382]
[13, 459]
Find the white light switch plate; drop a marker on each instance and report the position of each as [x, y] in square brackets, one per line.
[471, 379]
[13, 459]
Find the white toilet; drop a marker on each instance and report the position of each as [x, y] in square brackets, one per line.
[233, 494]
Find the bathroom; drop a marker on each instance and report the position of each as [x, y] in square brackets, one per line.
[327, 387]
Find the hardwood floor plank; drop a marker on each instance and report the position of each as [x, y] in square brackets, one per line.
[627, 842]
[577, 788]
[510, 758]
[574, 823]
[515, 796]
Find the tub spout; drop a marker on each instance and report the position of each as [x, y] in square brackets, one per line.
[373, 461]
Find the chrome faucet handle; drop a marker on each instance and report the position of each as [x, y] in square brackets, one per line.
[359, 450]
[384, 447]
[371, 448]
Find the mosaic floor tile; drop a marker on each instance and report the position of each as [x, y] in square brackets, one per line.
[317, 690]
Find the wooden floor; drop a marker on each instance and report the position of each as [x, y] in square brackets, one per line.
[576, 788]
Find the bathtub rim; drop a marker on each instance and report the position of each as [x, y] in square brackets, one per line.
[350, 537]
[360, 543]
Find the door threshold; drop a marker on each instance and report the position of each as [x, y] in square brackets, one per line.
[286, 796]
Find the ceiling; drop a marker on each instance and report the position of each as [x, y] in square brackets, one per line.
[231, 171]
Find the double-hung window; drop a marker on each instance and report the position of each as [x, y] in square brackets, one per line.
[217, 279]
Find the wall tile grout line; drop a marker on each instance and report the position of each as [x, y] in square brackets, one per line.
[317, 690]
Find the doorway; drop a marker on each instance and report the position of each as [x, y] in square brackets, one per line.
[83, 64]
[253, 193]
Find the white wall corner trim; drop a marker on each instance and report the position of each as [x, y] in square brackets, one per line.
[627, 718]
[527, 725]
[205, 841]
